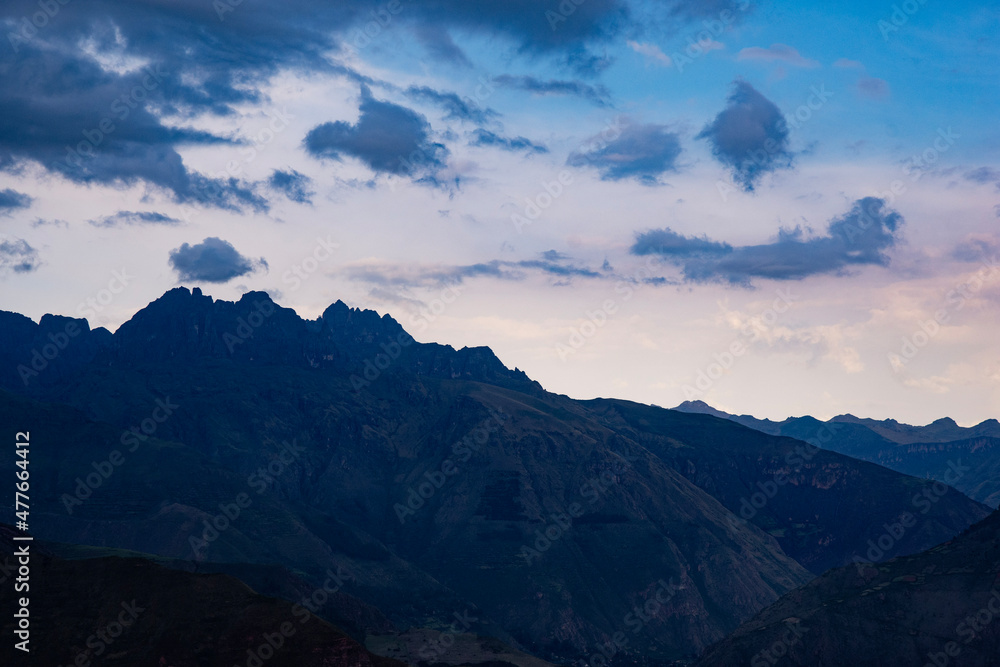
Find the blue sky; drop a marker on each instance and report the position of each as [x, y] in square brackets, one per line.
[611, 201]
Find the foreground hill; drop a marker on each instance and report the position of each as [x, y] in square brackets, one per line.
[940, 607]
[126, 612]
[445, 483]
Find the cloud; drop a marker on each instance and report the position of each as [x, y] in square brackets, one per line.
[385, 275]
[483, 137]
[977, 248]
[651, 51]
[691, 10]
[212, 261]
[66, 112]
[846, 63]
[17, 256]
[439, 44]
[669, 244]
[750, 136]
[132, 65]
[458, 108]
[983, 175]
[134, 218]
[598, 94]
[857, 238]
[294, 185]
[642, 152]
[387, 137]
[776, 53]
[11, 200]
[873, 88]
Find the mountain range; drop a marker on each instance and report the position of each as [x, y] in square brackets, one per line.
[449, 509]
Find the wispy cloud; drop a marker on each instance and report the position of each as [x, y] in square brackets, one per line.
[776, 53]
[596, 94]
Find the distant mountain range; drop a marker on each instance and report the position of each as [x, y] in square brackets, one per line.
[966, 458]
[238, 438]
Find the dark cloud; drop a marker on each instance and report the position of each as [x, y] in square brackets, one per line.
[11, 200]
[483, 137]
[750, 136]
[669, 244]
[134, 218]
[387, 137]
[598, 94]
[642, 152]
[211, 261]
[207, 57]
[90, 125]
[858, 238]
[458, 108]
[294, 185]
[17, 256]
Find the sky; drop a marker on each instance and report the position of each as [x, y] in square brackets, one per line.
[777, 208]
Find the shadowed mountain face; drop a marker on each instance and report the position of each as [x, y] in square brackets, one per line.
[940, 607]
[965, 458]
[444, 483]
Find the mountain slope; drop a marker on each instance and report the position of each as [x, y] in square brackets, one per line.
[940, 607]
[821, 506]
